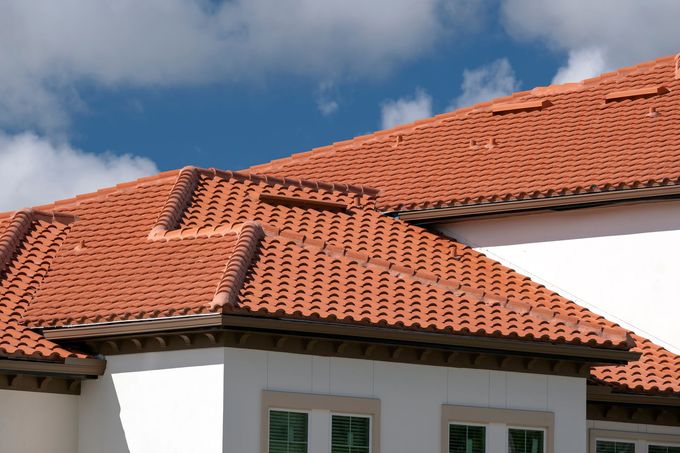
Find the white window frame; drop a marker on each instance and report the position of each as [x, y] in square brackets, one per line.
[510, 418]
[530, 428]
[310, 402]
[285, 409]
[351, 414]
[456, 422]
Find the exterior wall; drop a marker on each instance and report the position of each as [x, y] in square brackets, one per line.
[640, 434]
[209, 400]
[38, 422]
[410, 396]
[168, 402]
[620, 261]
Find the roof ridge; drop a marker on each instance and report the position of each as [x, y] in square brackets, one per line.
[187, 181]
[356, 189]
[452, 285]
[437, 119]
[20, 224]
[235, 270]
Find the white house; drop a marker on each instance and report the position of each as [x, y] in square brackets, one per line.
[360, 298]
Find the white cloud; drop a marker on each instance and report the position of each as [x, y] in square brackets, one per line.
[47, 48]
[597, 35]
[406, 109]
[327, 98]
[582, 64]
[36, 171]
[485, 83]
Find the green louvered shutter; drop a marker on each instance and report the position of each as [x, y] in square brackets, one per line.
[610, 446]
[525, 441]
[287, 432]
[350, 434]
[467, 439]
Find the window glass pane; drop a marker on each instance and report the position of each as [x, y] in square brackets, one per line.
[610, 446]
[467, 439]
[663, 449]
[287, 432]
[525, 441]
[350, 434]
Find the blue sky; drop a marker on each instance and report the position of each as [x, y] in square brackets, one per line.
[93, 93]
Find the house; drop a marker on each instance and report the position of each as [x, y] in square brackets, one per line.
[342, 300]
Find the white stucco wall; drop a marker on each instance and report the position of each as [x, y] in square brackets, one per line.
[620, 261]
[32, 422]
[210, 400]
[411, 397]
[169, 402]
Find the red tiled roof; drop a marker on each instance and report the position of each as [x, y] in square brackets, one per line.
[206, 241]
[614, 132]
[227, 241]
[28, 243]
[657, 371]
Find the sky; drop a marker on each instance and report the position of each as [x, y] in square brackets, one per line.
[94, 93]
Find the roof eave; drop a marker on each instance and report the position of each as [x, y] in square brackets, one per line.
[590, 354]
[70, 366]
[436, 215]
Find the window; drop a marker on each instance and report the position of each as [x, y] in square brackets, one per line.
[611, 441]
[350, 434]
[317, 423]
[465, 429]
[467, 439]
[663, 449]
[525, 441]
[613, 446]
[287, 432]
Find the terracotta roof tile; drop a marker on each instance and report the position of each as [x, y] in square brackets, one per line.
[28, 244]
[580, 143]
[205, 241]
[208, 251]
[657, 371]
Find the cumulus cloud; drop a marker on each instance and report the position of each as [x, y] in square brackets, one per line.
[598, 35]
[35, 171]
[582, 64]
[406, 109]
[47, 48]
[485, 83]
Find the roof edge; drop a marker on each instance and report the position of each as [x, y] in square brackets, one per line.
[434, 215]
[601, 393]
[593, 355]
[71, 366]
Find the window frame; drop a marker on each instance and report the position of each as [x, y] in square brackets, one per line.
[350, 414]
[511, 418]
[282, 409]
[529, 428]
[308, 402]
[456, 422]
[641, 440]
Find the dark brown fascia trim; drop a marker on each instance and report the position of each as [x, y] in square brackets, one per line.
[71, 366]
[586, 353]
[133, 327]
[593, 355]
[605, 395]
[581, 200]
